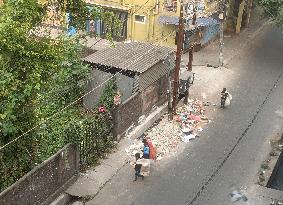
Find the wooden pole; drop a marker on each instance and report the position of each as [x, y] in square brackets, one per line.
[191, 49]
[240, 17]
[249, 12]
[221, 31]
[178, 59]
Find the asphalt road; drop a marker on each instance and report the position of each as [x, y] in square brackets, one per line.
[231, 149]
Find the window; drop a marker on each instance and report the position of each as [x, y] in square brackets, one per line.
[140, 18]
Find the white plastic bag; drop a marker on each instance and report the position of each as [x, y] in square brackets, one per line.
[145, 169]
[228, 99]
[227, 102]
[229, 96]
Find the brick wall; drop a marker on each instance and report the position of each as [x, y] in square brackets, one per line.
[127, 114]
[150, 97]
[155, 94]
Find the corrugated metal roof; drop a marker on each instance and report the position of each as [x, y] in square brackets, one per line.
[154, 74]
[207, 21]
[174, 20]
[134, 56]
[169, 20]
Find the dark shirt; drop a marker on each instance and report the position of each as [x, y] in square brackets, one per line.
[224, 94]
[138, 167]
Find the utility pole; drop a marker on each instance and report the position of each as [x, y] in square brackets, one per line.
[249, 11]
[221, 43]
[222, 15]
[178, 59]
[191, 49]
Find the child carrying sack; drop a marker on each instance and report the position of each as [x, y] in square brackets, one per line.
[145, 169]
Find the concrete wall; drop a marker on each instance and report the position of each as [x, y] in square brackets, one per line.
[46, 181]
[209, 33]
[124, 83]
[98, 77]
[125, 86]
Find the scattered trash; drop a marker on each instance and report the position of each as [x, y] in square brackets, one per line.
[187, 138]
[275, 202]
[200, 129]
[206, 103]
[134, 148]
[166, 135]
[236, 195]
[159, 158]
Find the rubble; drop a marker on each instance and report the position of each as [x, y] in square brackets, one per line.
[166, 135]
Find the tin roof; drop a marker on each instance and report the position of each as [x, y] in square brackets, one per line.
[134, 56]
[169, 20]
[202, 21]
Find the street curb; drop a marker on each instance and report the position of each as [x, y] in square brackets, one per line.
[63, 199]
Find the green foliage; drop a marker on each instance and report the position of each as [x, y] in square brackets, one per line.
[274, 10]
[93, 133]
[39, 76]
[79, 12]
[107, 97]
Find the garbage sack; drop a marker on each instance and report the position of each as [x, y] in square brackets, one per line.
[227, 102]
[229, 96]
[145, 169]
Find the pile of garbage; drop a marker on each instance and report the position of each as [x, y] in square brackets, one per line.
[190, 117]
[135, 147]
[166, 135]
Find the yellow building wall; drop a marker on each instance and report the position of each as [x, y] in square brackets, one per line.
[150, 30]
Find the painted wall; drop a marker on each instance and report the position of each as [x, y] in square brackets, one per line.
[142, 22]
[209, 33]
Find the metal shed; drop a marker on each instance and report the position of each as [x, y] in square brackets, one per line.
[138, 65]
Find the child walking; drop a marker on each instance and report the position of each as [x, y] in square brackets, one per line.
[138, 167]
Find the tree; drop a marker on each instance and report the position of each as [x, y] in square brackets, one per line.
[274, 10]
[39, 76]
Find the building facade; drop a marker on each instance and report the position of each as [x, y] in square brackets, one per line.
[141, 18]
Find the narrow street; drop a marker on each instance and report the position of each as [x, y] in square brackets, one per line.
[148, 102]
[230, 150]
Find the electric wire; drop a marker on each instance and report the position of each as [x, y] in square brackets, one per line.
[75, 101]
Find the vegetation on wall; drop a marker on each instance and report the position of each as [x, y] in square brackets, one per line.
[274, 10]
[41, 81]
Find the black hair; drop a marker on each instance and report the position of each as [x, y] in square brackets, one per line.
[144, 141]
[138, 155]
